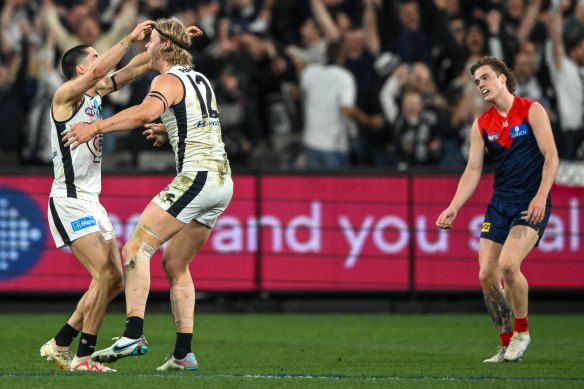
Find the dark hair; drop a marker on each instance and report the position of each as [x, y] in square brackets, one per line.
[71, 59]
[499, 67]
[334, 50]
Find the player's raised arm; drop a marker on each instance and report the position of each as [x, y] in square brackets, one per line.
[164, 92]
[96, 67]
[139, 66]
[469, 179]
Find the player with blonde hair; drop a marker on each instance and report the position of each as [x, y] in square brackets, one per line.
[184, 213]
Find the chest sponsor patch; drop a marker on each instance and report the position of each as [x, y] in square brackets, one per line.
[83, 223]
[517, 131]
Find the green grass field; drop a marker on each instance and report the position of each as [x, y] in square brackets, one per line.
[322, 351]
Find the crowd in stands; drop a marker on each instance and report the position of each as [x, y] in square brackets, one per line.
[310, 84]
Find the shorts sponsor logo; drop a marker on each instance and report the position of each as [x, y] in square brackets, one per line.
[518, 131]
[83, 223]
[22, 233]
[167, 197]
[486, 227]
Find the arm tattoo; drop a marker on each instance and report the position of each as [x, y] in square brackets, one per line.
[498, 309]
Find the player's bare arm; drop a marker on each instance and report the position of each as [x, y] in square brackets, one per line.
[139, 66]
[165, 91]
[69, 94]
[469, 179]
[542, 131]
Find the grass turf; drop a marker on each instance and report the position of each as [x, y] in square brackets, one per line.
[322, 351]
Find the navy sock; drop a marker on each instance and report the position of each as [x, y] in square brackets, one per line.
[134, 327]
[87, 344]
[183, 345]
[66, 335]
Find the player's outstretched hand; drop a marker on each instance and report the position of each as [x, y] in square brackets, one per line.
[141, 30]
[194, 31]
[80, 133]
[156, 132]
[446, 218]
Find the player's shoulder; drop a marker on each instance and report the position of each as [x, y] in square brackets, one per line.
[485, 117]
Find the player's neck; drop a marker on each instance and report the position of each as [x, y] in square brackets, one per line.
[161, 66]
[504, 103]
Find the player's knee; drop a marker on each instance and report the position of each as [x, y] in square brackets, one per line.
[116, 282]
[109, 278]
[509, 269]
[487, 279]
[130, 248]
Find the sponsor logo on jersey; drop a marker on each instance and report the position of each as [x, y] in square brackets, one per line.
[186, 69]
[83, 223]
[486, 227]
[209, 122]
[518, 131]
[22, 233]
[493, 137]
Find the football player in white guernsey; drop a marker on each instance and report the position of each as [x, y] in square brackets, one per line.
[184, 213]
[76, 218]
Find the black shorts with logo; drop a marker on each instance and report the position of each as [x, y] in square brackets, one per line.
[502, 216]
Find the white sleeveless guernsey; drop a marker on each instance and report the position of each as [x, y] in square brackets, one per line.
[77, 172]
[193, 126]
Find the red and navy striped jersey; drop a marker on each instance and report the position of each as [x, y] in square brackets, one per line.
[516, 157]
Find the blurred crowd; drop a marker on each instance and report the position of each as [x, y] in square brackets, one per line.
[309, 83]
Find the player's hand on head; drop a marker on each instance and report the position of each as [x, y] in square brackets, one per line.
[194, 31]
[142, 29]
[80, 133]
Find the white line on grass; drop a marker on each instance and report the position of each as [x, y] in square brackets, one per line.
[316, 377]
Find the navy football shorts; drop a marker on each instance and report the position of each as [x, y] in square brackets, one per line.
[501, 217]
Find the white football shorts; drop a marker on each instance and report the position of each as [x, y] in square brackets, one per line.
[71, 219]
[201, 196]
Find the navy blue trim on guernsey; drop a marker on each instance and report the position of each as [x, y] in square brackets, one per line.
[180, 113]
[58, 223]
[60, 126]
[200, 98]
[184, 200]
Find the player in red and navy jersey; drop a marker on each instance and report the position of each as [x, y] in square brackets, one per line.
[518, 136]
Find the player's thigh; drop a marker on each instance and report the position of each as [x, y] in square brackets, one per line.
[520, 241]
[489, 253]
[159, 222]
[185, 245]
[93, 252]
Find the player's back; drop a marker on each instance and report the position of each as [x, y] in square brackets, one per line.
[77, 172]
[516, 157]
[193, 125]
